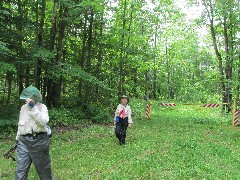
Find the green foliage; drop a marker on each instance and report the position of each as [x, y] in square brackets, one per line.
[137, 106]
[6, 67]
[44, 54]
[64, 117]
[4, 50]
[8, 126]
[77, 114]
[70, 72]
[99, 114]
[160, 51]
[8, 118]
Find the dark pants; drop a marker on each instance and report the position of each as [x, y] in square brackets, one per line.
[33, 150]
[121, 129]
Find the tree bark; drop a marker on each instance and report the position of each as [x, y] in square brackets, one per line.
[39, 37]
[121, 63]
[20, 68]
[155, 68]
[27, 76]
[57, 84]
[147, 84]
[89, 57]
[238, 86]
[135, 80]
[100, 54]
[168, 73]
[228, 42]
[219, 57]
[9, 82]
[82, 58]
[49, 81]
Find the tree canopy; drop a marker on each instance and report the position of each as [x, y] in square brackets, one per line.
[88, 52]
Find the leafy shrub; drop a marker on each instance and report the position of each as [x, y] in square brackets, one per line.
[64, 117]
[97, 113]
[8, 125]
[8, 118]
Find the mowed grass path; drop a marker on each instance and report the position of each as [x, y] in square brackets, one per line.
[184, 143]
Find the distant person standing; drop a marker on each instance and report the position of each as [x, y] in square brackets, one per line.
[122, 119]
[33, 141]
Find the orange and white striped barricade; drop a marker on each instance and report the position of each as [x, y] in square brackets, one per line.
[148, 110]
[235, 114]
[211, 105]
[168, 104]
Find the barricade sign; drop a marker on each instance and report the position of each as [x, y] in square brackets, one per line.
[235, 114]
[168, 104]
[199, 105]
[148, 110]
[211, 105]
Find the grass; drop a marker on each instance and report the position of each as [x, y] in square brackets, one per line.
[185, 143]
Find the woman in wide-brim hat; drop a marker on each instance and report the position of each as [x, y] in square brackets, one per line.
[122, 119]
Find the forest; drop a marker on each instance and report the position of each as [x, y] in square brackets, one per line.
[83, 53]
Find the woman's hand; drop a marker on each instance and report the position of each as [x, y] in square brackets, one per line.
[30, 102]
[130, 125]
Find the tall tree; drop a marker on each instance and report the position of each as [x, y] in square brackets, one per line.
[121, 60]
[222, 11]
[48, 87]
[39, 38]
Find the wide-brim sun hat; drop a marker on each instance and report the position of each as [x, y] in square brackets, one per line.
[123, 96]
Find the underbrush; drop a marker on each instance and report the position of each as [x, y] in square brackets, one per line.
[59, 117]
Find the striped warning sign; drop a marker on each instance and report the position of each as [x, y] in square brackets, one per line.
[236, 113]
[168, 104]
[211, 105]
[148, 111]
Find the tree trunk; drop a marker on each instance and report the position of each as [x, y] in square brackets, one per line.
[219, 57]
[49, 81]
[155, 68]
[100, 55]
[89, 57]
[238, 86]
[39, 36]
[57, 84]
[27, 76]
[147, 83]
[135, 78]
[168, 74]
[228, 42]
[82, 58]
[20, 68]
[124, 73]
[121, 63]
[9, 82]
[146, 87]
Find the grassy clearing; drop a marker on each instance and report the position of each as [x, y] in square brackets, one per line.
[186, 143]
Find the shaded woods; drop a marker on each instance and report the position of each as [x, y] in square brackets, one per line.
[80, 52]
